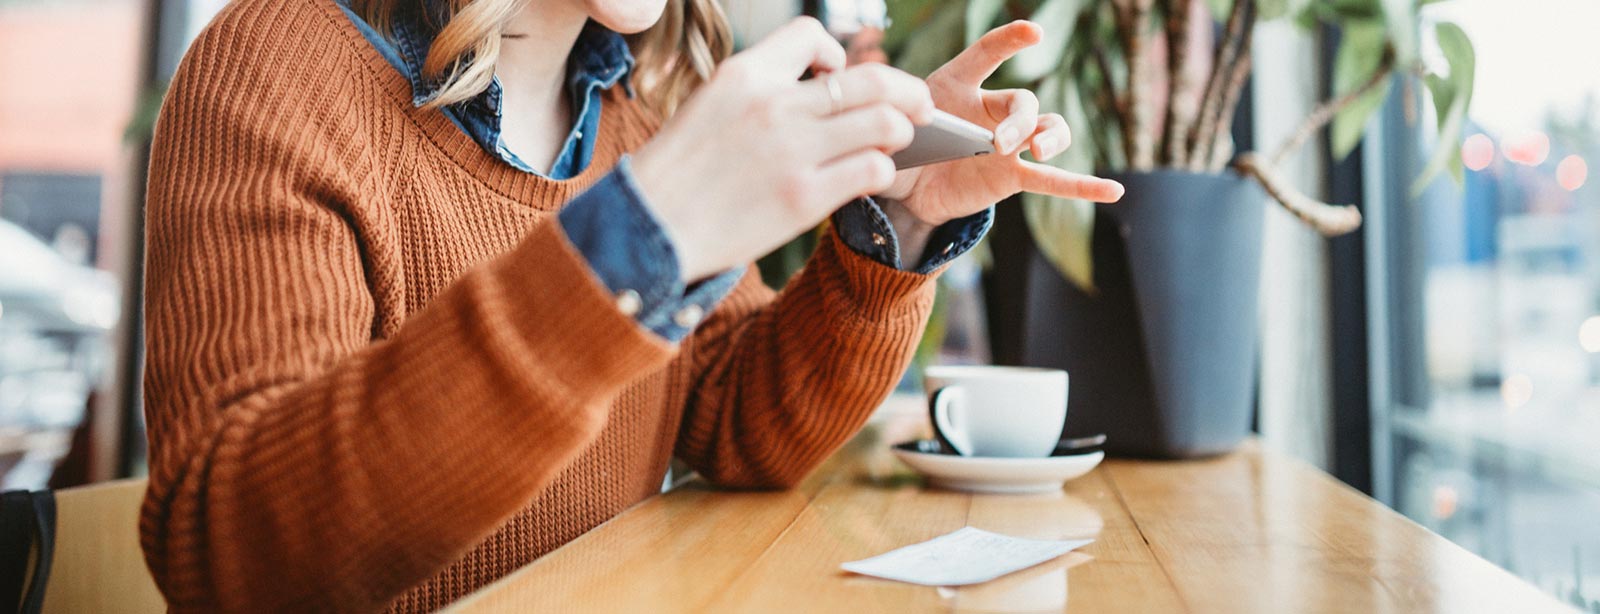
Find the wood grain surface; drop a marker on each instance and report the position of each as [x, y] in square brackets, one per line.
[1252, 531]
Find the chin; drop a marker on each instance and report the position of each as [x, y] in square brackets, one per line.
[626, 16]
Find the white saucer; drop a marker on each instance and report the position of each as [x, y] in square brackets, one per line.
[995, 475]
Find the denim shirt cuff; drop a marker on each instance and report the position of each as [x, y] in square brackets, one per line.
[627, 248]
[864, 227]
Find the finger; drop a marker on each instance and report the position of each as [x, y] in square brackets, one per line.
[1018, 114]
[878, 127]
[795, 47]
[871, 84]
[1051, 137]
[977, 62]
[852, 175]
[1045, 179]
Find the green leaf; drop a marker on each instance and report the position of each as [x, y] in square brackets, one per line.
[935, 43]
[1341, 10]
[1400, 19]
[938, 324]
[981, 15]
[1360, 55]
[1056, 18]
[906, 19]
[1443, 93]
[1064, 228]
[1307, 19]
[1219, 9]
[1452, 96]
[1267, 10]
[142, 126]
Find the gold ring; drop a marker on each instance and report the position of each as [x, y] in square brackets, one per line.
[835, 95]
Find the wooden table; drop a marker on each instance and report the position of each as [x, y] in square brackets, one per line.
[1252, 531]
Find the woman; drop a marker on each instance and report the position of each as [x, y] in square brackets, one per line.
[416, 316]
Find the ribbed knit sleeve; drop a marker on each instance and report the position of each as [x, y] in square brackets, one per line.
[781, 382]
[298, 464]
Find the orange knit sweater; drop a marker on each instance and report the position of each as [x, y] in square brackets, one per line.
[380, 376]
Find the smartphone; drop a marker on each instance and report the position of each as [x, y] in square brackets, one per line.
[945, 138]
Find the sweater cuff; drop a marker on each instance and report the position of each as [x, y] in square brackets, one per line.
[547, 285]
[629, 251]
[873, 292]
[866, 230]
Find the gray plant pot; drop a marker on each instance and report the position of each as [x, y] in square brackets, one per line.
[1162, 356]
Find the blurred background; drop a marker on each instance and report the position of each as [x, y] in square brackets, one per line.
[1445, 358]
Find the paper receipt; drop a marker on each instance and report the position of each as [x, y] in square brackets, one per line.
[966, 556]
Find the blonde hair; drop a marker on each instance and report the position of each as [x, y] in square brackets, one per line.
[674, 56]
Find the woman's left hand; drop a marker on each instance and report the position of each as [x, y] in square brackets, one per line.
[922, 198]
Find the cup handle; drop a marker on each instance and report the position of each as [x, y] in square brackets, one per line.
[949, 419]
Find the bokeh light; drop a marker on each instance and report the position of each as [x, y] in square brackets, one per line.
[1589, 335]
[1516, 390]
[1477, 152]
[1445, 501]
[1572, 172]
[1529, 148]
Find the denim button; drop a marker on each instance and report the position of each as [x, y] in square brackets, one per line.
[629, 303]
[688, 316]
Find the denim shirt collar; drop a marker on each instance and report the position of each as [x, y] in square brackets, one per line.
[599, 58]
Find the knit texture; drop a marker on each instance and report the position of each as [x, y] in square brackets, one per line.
[378, 375]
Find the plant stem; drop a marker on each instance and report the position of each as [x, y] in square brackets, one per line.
[1182, 99]
[1329, 220]
[1230, 100]
[1109, 87]
[1221, 153]
[1326, 111]
[1119, 13]
[1208, 99]
[1205, 128]
[1136, 97]
[1016, 10]
[1105, 97]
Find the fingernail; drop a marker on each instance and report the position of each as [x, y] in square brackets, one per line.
[1006, 138]
[1115, 190]
[1045, 145]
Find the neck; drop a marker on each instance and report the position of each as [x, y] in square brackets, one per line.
[532, 68]
[534, 50]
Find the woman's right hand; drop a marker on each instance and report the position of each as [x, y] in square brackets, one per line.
[756, 157]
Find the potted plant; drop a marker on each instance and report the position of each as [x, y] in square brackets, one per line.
[1150, 303]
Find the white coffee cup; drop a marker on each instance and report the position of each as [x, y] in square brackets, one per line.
[1013, 412]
